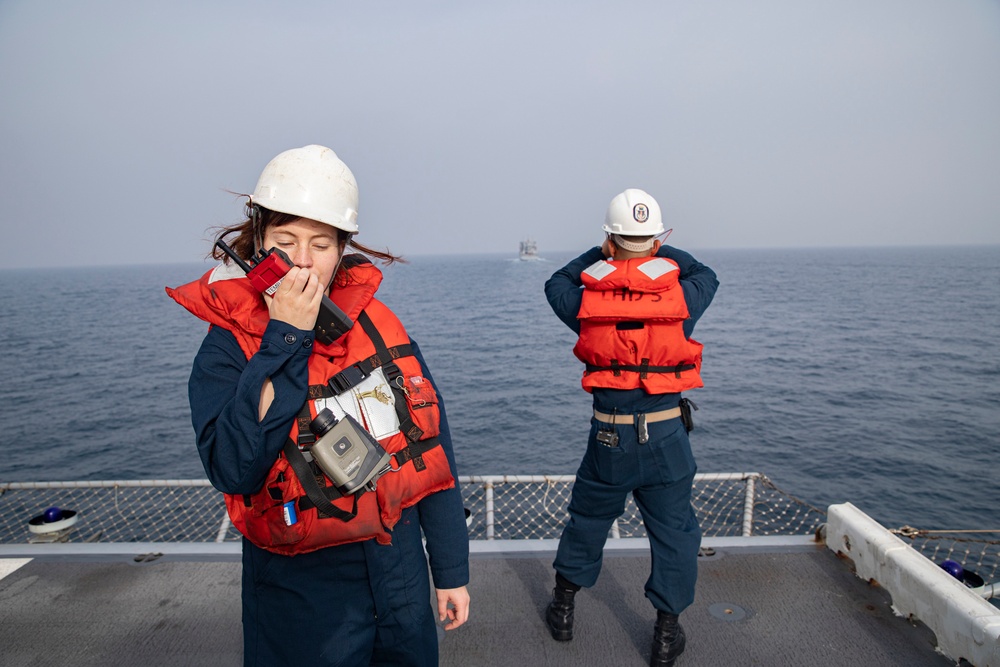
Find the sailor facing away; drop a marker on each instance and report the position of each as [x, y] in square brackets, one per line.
[634, 302]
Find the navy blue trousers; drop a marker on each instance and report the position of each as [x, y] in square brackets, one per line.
[659, 474]
[353, 605]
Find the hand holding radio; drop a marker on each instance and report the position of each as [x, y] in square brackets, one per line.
[297, 299]
[268, 273]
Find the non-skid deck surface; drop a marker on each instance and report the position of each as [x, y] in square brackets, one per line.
[796, 607]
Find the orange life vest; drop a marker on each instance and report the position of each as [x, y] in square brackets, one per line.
[224, 297]
[631, 328]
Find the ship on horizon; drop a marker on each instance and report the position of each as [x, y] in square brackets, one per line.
[528, 250]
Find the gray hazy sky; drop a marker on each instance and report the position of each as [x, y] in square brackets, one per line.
[755, 124]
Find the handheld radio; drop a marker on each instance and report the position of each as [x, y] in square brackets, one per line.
[267, 271]
[347, 453]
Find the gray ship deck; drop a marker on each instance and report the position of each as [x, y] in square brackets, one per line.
[785, 602]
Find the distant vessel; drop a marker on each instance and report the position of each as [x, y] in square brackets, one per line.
[529, 251]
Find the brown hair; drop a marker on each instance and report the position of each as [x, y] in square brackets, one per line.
[258, 220]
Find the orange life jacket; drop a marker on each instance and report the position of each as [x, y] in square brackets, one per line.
[631, 328]
[224, 297]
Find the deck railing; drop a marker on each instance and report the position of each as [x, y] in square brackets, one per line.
[501, 506]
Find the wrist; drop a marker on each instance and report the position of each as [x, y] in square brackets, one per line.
[288, 336]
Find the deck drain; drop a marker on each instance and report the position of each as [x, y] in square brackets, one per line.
[727, 612]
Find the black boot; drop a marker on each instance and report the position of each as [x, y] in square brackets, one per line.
[668, 640]
[559, 613]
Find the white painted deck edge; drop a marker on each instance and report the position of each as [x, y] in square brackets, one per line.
[965, 625]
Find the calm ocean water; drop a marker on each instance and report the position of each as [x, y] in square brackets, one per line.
[862, 375]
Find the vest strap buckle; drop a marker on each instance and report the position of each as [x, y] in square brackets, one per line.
[347, 378]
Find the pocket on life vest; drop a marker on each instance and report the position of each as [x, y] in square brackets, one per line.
[266, 520]
[423, 403]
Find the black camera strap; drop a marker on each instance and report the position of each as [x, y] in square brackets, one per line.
[350, 377]
[314, 492]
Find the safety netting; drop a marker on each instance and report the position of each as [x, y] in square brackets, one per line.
[501, 507]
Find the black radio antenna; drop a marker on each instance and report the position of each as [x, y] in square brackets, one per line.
[236, 258]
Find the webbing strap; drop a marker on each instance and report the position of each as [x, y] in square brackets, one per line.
[312, 488]
[414, 452]
[352, 376]
[381, 351]
[304, 418]
[306, 503]
[392, 372]
[356, 374]
[641, 369]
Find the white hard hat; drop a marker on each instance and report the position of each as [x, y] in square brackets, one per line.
[633, 213]
[310, 182]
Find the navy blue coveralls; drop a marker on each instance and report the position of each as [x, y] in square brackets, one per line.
[659, 473]
[354, 604]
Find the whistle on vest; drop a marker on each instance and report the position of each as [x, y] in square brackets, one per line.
[266, 271]
[347, 453]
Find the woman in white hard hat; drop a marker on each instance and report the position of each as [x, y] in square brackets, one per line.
[330, 575]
